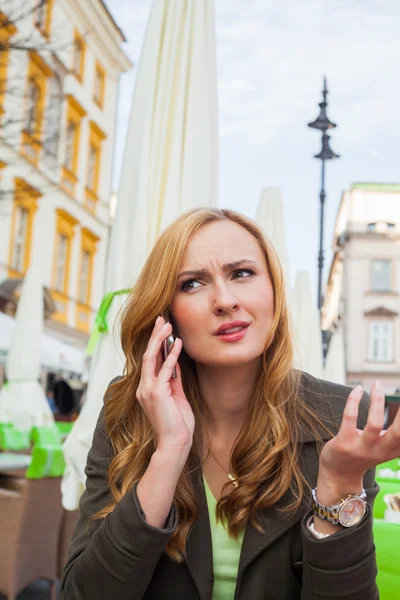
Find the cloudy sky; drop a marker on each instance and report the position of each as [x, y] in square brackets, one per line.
[271, 57]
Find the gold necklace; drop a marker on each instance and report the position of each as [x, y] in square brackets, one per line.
[230, 475]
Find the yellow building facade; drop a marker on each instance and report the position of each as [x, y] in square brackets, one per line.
[58, 101]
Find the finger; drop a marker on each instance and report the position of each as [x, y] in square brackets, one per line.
[150, 357]
[348, 427]
[159, 363]
[171, 361]
[158, 324]
[376, 414]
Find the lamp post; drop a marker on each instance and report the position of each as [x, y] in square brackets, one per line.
[323, 124]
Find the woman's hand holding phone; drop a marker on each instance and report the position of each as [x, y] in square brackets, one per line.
[162, 397]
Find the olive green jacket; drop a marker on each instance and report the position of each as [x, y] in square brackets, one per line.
[123, 558]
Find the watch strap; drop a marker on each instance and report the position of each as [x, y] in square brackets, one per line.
[331, 513]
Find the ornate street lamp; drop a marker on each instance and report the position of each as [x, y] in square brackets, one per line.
[323, 124]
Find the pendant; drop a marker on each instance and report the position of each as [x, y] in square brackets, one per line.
[233, 479]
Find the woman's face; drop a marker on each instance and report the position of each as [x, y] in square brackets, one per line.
[223, 279]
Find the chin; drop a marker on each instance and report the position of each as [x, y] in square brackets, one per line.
[234, 360]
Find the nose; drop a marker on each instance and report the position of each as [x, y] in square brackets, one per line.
[225, 301]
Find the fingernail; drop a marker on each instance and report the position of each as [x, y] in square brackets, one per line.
[359, 389]
[157, 320]
[378, 384]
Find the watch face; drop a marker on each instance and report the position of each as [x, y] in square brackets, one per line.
[352, 512]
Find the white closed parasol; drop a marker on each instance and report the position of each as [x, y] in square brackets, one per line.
[306, 326]
[335, 368]
[270, 218]
[22, 399]
[169, 166]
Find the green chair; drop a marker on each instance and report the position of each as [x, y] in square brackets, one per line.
[12, 439]
[387, 486]
[47, 461]
[64, 427]
[6, 426]
[387, 542]
[46, 436]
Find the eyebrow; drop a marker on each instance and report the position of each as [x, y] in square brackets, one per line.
[225, 267]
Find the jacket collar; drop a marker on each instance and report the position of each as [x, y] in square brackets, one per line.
[199, 557]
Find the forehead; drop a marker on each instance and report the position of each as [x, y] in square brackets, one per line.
[221, 242]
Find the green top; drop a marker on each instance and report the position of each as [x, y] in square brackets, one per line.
[226, 553]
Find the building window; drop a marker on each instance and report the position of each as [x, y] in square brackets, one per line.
[32, 107]
[94, 164]
[53, 120]
[88, 251]
[65, 232]
[61, 263]
[78, 56]
[84, 277]
[7, 30]
[371, 226]
[35, 97]
[20, 238]
[381, 275]
[43, 12]
[381, 341]
[99, 84]
[75, 114]
[70, 143]
[25, 205]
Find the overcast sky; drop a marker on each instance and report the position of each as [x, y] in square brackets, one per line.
[271, 57]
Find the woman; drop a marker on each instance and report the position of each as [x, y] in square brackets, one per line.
[199, 485]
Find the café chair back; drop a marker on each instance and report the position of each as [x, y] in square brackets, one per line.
[30, 519]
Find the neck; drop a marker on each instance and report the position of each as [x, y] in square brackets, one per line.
[227, 394]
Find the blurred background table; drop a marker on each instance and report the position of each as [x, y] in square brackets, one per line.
[14, 462]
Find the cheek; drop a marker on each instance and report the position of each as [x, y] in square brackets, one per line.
[185, 318]
[262, 300]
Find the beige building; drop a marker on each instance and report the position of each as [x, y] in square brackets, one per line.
[363, 290]
[58, 102]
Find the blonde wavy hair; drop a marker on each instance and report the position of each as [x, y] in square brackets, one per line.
[265, 457]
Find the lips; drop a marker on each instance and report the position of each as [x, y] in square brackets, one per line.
[232, 327]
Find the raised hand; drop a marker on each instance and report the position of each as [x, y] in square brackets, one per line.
[346, 457]
[162, 397]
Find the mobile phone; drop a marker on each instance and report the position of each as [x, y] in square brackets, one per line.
[167, 345]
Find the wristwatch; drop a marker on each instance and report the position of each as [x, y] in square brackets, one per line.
[348, 512]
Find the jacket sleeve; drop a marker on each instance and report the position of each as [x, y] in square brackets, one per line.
[342, 565]
[114, 557]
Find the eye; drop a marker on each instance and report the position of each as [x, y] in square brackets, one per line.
[239, 273]
[189, 285]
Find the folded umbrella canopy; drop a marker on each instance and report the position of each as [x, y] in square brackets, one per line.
[270, 218]
[335, 368]
[169, 166]
[307, 331]
[22, 399]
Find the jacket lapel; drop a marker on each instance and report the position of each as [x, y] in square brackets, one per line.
[274, 524]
